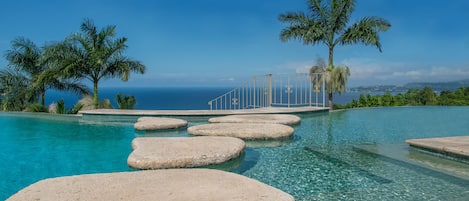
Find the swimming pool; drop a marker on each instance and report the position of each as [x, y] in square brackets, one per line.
[322, 162]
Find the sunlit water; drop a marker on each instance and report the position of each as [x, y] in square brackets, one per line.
[318, 163]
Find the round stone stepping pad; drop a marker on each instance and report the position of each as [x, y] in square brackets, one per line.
[181, 152]
[158, 123]
[286, 119]
[248, 131]
[172, 184]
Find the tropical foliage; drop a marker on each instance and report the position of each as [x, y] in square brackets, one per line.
[413, 97]
[87, 103]
[29, 76]
[93, 55]
[15, 91]
[60, 108]
[335, 78]
[125, 102]
[328, 23]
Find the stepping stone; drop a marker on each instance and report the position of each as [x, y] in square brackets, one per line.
[248, 131]
[172, 184]
[286, 119]
[158, 123]
[181, 152]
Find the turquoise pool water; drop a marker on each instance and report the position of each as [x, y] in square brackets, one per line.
[321, 162]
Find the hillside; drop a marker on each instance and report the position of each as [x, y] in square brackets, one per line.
[437, 86]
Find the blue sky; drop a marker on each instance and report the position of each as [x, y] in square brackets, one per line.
[218, 42]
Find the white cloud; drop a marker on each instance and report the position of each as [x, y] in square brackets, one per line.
[298, 67]
[367, 71]
[230, 79]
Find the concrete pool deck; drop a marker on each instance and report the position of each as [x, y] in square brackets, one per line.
[267, 110]
[455, 146]
[115, 115]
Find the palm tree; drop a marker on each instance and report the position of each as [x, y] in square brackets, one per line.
[15, 91]
[27, 62]
[24, 59]
[94, 55]
[327, 23]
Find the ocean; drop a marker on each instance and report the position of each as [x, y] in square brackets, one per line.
[167, 98]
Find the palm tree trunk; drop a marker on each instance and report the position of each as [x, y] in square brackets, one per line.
[331, 57]
[330, 67]
[95, 94]
[43, 95]
[43, 98]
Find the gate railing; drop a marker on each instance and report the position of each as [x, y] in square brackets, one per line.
[274, 90]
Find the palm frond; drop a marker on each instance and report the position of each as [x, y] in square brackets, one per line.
[24, 56]
[122, 67]
[365, 31]
[302, 28]
[341, 10]
[89, 29]
[318, 9]
[338, 79]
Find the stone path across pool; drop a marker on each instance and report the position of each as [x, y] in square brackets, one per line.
[181, 152]
[158, 123]
[458, 145]
[173, 184]
[247, 131]
[286, 119]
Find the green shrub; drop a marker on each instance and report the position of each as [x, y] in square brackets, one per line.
[60, 108]
[76, 108]
[125, 102]
[36, 108]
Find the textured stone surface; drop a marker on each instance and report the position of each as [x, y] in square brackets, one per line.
[174, 184]
[286, 119]
[458, 145]
[158, 123]
[249, 131]
[180, 152]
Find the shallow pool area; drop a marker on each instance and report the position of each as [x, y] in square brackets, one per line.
[325, 160]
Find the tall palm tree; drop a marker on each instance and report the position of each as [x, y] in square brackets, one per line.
[26, 59]
[327, 23]
[94, 55]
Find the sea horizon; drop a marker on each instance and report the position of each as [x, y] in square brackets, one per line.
[166, 98]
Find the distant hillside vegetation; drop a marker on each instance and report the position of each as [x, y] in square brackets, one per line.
[437, 86]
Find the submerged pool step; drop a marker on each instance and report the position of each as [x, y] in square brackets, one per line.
[360, 171]
[400, 154]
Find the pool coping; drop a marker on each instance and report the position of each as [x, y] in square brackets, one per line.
[116, 115]
[266, 110]
[455, 146]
